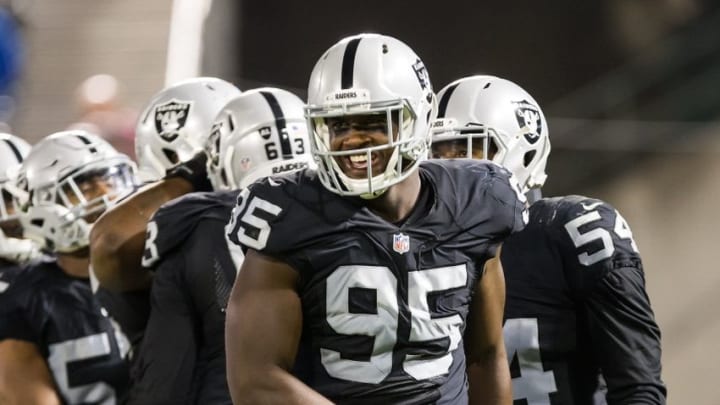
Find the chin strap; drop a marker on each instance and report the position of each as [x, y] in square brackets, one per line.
[533, 195]
[373, 195]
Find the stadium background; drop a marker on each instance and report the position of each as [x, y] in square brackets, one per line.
[630, 89]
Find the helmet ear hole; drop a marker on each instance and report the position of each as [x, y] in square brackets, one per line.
[223, 176]
[171, 155]
[529, 155]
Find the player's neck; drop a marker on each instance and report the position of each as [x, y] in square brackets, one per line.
[74, 265]
[399, 200]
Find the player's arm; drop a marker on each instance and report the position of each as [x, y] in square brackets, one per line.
[600, 250]
[626, 338]
[117, 239]
[264, 323]
[24, 375]
[166, 359]
[487, 364]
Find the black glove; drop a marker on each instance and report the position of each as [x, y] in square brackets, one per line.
[194, 171]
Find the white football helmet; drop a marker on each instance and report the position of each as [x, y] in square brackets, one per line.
[503, 116]
[259, 133]
[365, 74]
[13, 247]
[70, 178]
[177, 121]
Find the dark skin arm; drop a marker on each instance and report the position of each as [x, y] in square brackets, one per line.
[264, 324]
[487, 365]
[24, 375]
[117, 239]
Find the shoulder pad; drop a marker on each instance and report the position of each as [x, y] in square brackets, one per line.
[592, 233]
[481, 193]
[177, 219]
[282, 213]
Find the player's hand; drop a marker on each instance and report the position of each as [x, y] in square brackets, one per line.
[18, 250]
[194, 171]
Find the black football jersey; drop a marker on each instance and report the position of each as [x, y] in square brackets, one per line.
[576, 308]
[182, 355]
[384, 305]
[8, 272]
[59, 314]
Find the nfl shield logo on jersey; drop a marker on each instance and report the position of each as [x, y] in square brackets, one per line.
[401, 243]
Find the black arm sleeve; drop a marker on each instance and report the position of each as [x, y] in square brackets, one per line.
[163, 371]
[626, 338]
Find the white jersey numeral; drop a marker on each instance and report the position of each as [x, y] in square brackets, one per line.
[249, 217]
[150, 256]
[382, 325]
[534, 383]
[84, 348]
[621, 229]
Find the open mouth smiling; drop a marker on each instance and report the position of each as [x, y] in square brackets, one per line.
[356, 166]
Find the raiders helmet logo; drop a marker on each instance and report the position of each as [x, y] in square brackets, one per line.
[422, 74]
[423, 79]
[170, 118]
[265, 132]
[528, 118]
[213, 143]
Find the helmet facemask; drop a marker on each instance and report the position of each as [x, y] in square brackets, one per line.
[506, 115]
[404, 152]
[9, 209]
[65, 211]
[259, 133]
[472, 141]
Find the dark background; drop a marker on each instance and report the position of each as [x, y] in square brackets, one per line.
[594, 66]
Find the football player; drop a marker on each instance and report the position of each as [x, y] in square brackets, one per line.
[261, 132]
[14, 249]
[576, 310]
[56, 342]
[169, 142]
[373, 258]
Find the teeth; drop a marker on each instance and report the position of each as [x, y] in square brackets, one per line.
[358, 158]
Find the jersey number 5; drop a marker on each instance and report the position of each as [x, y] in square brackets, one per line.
[252, 230]
[622, 230]
[89, 348]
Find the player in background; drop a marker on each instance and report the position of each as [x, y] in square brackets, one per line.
[57, 344]
[14, 249]
[577, 311]
[259, 133]
[372, 259]
[169, 140]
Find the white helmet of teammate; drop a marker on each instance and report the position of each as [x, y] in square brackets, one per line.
[501, 114]
[177, 122]
[13, 151]
[71, 177]
[259, 133]
[370, 74]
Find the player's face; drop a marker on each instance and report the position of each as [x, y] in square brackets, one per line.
[92, 187]
[12, 227]
[458, 149]
[358, 132]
